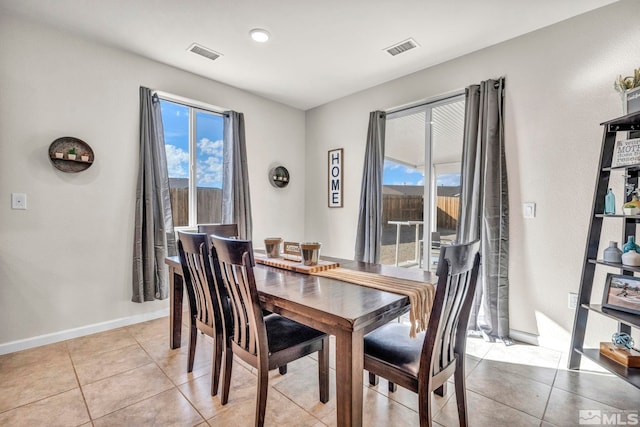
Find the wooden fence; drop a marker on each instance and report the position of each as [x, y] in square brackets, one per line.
[209, 205]
[411, 208]
[402, 208]
[394, 207]
[448, 212]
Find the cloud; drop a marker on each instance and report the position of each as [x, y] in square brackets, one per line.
[449, 179]
[176, 134]
[408, 169]
[389, 165]
[209, 172]
[177, 162]
[212, 148]
[209, 165]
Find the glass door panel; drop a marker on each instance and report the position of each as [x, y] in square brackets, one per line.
[447, 133]
[420, 205]
[403, 189]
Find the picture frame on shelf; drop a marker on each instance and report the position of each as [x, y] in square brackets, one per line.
[626, 152]
[622, 293]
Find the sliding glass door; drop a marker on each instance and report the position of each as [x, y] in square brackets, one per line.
[421, 182]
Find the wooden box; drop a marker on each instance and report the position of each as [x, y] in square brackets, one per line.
[628, 358]
[296, 266]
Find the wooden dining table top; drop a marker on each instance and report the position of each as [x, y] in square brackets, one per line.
[344, 305]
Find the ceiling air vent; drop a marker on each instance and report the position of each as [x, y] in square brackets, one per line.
[204, 51]
[401, 47]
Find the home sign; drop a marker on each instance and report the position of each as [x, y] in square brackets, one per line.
[335, 178]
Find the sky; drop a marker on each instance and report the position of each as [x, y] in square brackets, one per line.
[209, 127]
[397, 174]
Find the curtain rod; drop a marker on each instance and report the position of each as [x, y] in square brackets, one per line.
[187, 102]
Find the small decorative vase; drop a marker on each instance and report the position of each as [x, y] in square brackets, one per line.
[613, 253]
[630, 245]
[609, 203]
[631, 258]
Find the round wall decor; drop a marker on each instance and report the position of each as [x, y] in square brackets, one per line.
[70, 154]
[279, 177]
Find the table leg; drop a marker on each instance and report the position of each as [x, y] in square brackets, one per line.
[349, 365]
[176, 291]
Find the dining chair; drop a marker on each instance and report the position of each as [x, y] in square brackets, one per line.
[231, 231]
[204, 308]
[424, 364]
[222, 230]
[264, 342]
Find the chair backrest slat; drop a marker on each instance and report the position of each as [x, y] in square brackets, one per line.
[457, 277]
[234, 259]
[196, 266]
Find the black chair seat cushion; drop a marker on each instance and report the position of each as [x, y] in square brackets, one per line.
[391, 343]
[283, 333]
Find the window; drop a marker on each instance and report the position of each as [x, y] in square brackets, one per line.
[194, 148]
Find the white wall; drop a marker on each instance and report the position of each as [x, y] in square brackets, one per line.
[66, 261]
[559, 88]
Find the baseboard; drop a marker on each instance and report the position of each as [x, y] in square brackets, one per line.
[524, 337]
[27, 343]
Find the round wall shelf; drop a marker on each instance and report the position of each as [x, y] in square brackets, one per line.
[70, 154]
[279, 177]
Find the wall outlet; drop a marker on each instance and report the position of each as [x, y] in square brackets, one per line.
[573, 300]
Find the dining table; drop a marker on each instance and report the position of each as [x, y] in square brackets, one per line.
[346, 310]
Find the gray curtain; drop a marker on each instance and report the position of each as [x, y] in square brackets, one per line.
[236, 201]
[484, 206]
[369, 232]
[153, 234]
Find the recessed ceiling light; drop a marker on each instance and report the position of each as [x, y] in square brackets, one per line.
[259, 35]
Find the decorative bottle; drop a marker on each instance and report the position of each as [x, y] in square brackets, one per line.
[630, 245]
[612, 253]
[631, 258]
[609, 203]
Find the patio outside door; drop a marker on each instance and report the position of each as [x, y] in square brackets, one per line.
[420, 204]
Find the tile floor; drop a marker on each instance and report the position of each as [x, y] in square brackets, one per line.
[130, 377]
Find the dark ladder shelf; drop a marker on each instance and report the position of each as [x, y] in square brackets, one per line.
[631, 375]
[629, 226]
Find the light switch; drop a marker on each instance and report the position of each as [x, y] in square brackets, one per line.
[529, 210]
[18, 201]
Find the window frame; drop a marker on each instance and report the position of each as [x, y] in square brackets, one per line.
[194, 107]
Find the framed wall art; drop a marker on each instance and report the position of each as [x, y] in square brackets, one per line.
[335, 178]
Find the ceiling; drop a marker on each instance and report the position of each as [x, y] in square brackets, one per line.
[319, 50]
